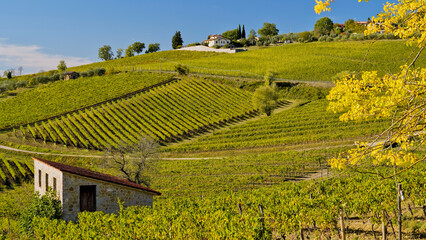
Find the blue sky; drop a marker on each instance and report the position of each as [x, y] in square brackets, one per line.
[37, 34]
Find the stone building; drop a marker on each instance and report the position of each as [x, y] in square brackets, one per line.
[71, 75]
[80, 189]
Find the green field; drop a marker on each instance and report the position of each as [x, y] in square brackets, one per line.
[64, 96]
[297, 126]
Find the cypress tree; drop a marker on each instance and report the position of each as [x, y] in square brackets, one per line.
[243, 33]
[239, 32]
[177, 40]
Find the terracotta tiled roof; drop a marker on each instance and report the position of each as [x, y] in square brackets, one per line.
[216, 36]
[96, 175]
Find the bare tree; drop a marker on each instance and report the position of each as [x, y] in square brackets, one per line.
[20, 69]
[134, 161]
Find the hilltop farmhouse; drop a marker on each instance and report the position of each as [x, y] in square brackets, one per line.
[80, 189]
[217, 40]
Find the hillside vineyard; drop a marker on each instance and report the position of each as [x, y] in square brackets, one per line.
[167, 113]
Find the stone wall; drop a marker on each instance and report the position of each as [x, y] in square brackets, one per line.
[106, 195]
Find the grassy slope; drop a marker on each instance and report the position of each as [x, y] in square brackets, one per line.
[146, 59]
[313, 61]
[64, 96]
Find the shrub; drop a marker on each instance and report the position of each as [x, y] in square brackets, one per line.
[322, 38]
[33, 81]
[305, 36]
[84, 74]
[47, 206]
[338, 38]
[194, 44]
[182, 70]
[55, 77]
[90, 73]
[99, 71]
[329, 39]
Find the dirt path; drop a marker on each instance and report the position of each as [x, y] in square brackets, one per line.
[315, 175]
[93, 156]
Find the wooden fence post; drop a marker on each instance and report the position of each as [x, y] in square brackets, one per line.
[342, 224]
[384, 226]
[399, 213]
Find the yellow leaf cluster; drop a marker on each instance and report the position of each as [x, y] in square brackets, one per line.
[400, 97]
[322, 6]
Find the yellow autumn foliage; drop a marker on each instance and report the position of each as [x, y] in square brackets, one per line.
[401, 96]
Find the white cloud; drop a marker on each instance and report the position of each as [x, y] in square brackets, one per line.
[32, 59]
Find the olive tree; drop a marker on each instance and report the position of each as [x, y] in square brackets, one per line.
[153, 47]
[138, 47]
[134, 161]
[268, 29]
[105, 53]
[62, 66]
[323, 26]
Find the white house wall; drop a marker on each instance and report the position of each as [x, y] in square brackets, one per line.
[52, 173]
[218, 42]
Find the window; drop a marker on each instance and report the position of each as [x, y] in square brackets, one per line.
[39, 178]
[54, 184]
[47, 181]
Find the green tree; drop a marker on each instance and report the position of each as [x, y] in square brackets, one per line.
[252, 37]
[231, 34]
[177, 41]
[352, 26]
[268, 29]
[243, 33]
[265, 98]
[62, 66]
[323, 26]
[239, 33]
[48, 206]
[105, 53]
[153, 47]
[305, 36]
[9, 73]
[130, 52]
[138, 47]
[119, 53]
